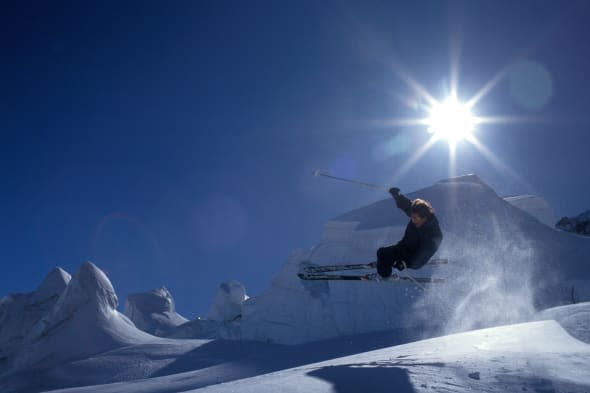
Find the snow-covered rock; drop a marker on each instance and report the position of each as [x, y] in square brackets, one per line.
[83, 321]
[579, 224]
[20, 312]
[153, 311]
[227, 305]
[499, 254]
[534, 205]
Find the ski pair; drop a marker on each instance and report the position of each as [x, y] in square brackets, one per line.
[395, 278]
[314, 272]
[358, 266]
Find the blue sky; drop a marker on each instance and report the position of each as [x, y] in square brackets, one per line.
[173, 143]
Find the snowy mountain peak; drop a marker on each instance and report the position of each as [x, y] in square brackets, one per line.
[20, 312]
[90, 289]
[90, 285]
[54, 283]
[83, 321]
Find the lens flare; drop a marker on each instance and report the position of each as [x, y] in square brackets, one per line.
[451, 120]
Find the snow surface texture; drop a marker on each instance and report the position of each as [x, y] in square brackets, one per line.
[579, 224]
[529, 357]
[516, 358]
[153, 312]
[499, 255]
[574, 318]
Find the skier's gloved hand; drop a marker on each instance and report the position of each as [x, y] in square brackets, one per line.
[394, 191]
[400, 265]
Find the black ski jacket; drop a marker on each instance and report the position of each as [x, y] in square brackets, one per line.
[418, 244]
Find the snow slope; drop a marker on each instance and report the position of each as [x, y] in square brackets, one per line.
[537, 356]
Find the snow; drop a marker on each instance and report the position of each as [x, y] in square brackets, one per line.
[500, 323]
[83, 321]
[504, 359]
[498, 255]
[536, 206]
[153, 311]
[574, 318]
[20, 312]
[227, 305]
[536, 356]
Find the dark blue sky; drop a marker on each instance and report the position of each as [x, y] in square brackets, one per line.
[172, 143]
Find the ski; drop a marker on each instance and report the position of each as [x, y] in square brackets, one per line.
[358, 266]
[370, 277]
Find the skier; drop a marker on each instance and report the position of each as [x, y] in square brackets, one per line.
[421, 238]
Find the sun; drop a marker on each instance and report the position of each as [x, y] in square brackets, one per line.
[451, 120]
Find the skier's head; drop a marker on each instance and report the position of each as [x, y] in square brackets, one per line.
[421, 212]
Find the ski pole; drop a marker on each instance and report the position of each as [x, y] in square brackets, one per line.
[318, 172]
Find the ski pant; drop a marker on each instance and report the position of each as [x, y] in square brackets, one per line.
[388, 256]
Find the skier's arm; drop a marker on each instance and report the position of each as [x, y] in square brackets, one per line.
[401, 201]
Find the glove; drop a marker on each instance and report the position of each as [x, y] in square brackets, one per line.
[394, 191]
[400, 265]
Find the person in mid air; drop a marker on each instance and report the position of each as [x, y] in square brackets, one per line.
[421, 239]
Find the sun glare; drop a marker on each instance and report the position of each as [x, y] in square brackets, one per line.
[451, 120]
